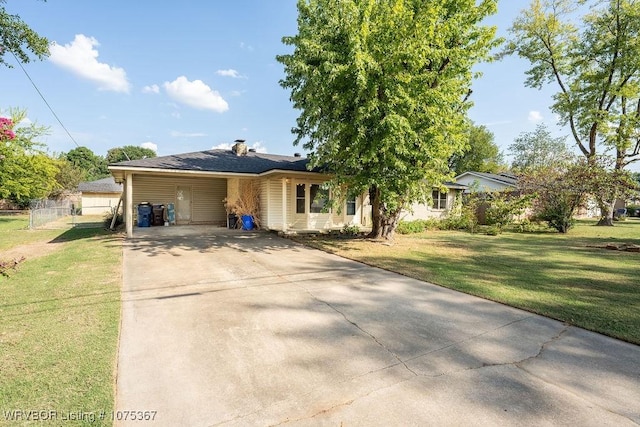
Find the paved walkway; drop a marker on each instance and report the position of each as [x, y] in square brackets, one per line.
[241, 328]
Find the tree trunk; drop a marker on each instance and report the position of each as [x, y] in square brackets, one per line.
[606, 213]
[384, 223]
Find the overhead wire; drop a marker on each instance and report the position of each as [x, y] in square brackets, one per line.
[43, 98]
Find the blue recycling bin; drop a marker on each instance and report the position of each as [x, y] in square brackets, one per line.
[247, 222]
[145, 213]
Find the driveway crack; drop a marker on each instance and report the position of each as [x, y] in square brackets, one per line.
[370, 335]
[516, 363]
[544, 345]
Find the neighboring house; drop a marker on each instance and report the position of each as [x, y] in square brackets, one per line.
[99, 197]
[290, 196]
[487, 182]
[440, 206]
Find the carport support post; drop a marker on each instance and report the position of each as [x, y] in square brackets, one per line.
[128, 209]
[284, 204]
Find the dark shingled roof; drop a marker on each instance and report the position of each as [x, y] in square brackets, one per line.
[221, 161]
[505, 178]
[104, 185]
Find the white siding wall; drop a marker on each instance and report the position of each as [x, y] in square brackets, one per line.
[265, 204]
[206, 195]
[323, 221]
[99, 203]
[272, 195]
[422, 211]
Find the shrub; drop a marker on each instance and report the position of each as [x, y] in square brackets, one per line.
[526, 226]
[411, 227]
[493, 230]
[108, 217]
[350, 230]
[504, 208]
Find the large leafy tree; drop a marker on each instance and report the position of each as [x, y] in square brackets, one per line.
[17, 37]
[596, 69]
[383, 86]
[93, 166]
[26, 171]
[67, 178]
[481, 153]
[129, 152]
[538, 149]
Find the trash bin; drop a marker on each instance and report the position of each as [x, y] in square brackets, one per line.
[232, 221]
[144, 214]
[171, 213]
[247, 222]
[158, 215]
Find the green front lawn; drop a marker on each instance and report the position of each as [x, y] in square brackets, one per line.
[59, 320]
[566, 277]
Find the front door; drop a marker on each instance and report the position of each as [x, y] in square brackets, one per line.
[183, 204]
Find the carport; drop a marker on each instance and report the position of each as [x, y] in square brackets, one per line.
[280, 192]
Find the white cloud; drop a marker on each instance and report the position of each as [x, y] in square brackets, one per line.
[151, 89]
[150, 145]
[230, 73]
[535, 116]
[176, 134]
[248, 47]
[176, 115]
[195, 94]
[81, 58]
[498, 123]
[258, 146]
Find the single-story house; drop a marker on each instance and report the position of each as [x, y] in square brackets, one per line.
[99, 197]
[441, 203]
[487, 182]
[202, 186]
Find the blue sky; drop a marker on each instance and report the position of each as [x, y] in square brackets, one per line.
[195, 75]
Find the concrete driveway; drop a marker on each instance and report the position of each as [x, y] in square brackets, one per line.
[242, 328]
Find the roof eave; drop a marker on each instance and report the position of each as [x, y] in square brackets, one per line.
[119, 172]
[487, 178]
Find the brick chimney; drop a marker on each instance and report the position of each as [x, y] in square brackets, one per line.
[240, 148]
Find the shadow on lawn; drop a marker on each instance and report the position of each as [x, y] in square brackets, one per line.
[588, 287]
[83, 231]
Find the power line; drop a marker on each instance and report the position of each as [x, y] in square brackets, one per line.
[43, 98]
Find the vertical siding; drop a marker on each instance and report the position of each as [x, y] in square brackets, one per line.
[207, 205]
[275, 200]
[265, 204]
[206, 195]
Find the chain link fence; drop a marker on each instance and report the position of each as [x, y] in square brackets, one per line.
[46, 211]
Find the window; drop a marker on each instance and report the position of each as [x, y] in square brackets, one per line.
[300, 196]
[319, 198]
[439, 200]
[351, 205]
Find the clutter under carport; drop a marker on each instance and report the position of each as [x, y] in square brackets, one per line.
[155, 215]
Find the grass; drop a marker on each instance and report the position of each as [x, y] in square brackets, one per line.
[59, 320]
[565, 277]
